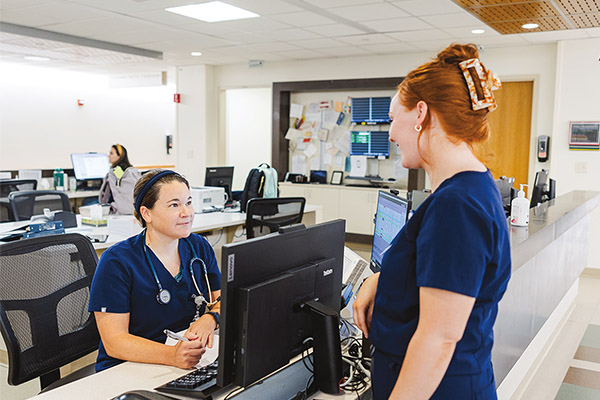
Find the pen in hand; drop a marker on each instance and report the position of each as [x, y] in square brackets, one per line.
[175, 336]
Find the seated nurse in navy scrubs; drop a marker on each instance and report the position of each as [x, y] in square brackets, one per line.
[163, 278]
[431, 309]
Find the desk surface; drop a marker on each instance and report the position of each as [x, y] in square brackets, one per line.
[133, 376]
[121, 227]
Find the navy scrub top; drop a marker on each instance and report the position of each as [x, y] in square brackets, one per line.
[457, 240]
[124, 283]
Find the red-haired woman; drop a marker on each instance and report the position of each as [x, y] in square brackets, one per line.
[431, 309]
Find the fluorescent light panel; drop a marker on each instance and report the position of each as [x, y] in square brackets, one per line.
[214, 11]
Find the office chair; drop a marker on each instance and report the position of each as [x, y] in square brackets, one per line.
[32, 202]
[12, 185]
[272, 213]
[44, 295]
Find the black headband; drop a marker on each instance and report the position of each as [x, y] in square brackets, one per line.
[148, 185]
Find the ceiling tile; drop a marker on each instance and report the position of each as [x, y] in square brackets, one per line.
[398, 25]
[367, 39]
[341, 3]
[501, 40]
[342, 51]
[301, 54]
[369, 12]
[466, 31]
[334, 30]
[426, 34]
[391, 48]
[294, 34]
[273, 46]
[302, 19]
[317, 43]
[452, 20]
[15, 4]
[429, 7]
[246, 38]
[264, 7]
[260, 24]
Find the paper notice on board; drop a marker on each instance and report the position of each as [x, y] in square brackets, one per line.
[339, 160]
[328, 119]
[301, 144]
[296, 110]
[328, 146]
[310, 150]
[323, 135]
[327, 159]
[315, 163]
[292, 134]
[343, 144]
[339, 106]
[313, 108]
[298, 164]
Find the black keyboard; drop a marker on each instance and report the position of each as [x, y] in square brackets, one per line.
[193, 384]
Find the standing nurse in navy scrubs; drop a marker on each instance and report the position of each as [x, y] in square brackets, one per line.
[163, 278]
[430, 311]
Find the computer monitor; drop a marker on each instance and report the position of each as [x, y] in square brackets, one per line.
[220, 177]
[370, 110]
[390, 218]
[539, 188]
[370, 143]
[505, 186]
[87, 166]
[318, 176]
[267, 286]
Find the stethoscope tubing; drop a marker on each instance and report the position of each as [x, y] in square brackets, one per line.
[194, 258]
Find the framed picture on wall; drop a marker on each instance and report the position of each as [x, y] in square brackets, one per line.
[584, 135]
[336, 177]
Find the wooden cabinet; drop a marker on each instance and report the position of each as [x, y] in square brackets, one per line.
[356, 205]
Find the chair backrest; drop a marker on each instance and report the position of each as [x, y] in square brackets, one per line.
[32, 202]
[265, 216]
[16, 185]
[44, 295]
[12, 185]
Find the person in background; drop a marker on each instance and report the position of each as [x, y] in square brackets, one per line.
[164, 278]
[430, 311]
[117, 186]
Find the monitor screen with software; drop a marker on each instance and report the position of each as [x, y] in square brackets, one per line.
[220, 177]
[88, 166]
[267, 285]
[390, 218]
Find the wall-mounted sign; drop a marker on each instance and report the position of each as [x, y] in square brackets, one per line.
[584, 136]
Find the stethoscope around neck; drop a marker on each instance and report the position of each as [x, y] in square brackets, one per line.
[164, 296]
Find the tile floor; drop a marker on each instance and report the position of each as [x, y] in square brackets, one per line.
[570, 370]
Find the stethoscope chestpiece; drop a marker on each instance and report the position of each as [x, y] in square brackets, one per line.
[163, 297]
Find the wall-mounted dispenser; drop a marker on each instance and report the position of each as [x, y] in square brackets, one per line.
[543, 148]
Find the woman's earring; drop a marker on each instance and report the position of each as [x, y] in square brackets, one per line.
[418, 127]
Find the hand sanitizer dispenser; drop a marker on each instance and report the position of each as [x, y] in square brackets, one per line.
[519, 209]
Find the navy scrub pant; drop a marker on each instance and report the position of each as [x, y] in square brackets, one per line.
[384, 373]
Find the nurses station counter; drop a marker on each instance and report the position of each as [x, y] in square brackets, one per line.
[547, 258]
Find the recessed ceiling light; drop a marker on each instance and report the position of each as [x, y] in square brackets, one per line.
[196, 53]
[529, 26]
[477, 31]
[36, 58]
[213, 11]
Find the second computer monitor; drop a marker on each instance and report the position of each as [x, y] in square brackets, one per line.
[390, 218]
[220, 177]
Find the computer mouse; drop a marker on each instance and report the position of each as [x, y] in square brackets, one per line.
[142, 395]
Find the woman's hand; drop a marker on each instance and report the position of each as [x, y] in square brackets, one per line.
[363, 304]
[187, 354]
[203, 329]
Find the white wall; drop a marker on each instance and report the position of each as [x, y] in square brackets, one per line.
[247, 131]
[41, 123]
[536, 63]
[577, 99]
[195, 117]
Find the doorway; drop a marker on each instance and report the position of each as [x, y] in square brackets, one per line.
[510, 125]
